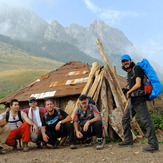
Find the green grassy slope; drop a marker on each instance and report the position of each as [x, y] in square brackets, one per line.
[18, 69]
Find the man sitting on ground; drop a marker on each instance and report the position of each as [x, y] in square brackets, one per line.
[4, 132]
[56, 124]
[15, 119]
[35, 113]
[87, 122]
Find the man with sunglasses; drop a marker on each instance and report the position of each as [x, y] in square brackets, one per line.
[35, 113]
[136, 105]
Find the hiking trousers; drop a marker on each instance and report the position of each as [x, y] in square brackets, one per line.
[4, 132]
[66, 129]
[94, 129]
[22, 132]
[142, 111]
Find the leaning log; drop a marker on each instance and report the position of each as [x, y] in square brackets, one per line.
[104, 108]
[115, 80]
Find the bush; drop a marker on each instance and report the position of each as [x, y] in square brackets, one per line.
[156, 118]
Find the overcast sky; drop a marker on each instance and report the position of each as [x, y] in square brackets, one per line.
[140, 20]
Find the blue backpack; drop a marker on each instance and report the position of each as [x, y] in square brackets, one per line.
[152, 76]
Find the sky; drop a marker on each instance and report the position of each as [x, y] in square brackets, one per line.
[140, 20]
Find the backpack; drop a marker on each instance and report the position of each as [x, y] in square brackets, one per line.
[19, 116]
[91, 101]
[152, 84]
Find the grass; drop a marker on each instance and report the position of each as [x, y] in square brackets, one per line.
[18, 68]
[2, 110]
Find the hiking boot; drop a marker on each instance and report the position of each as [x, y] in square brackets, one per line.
[126, 144]
[44, 145]
[150, 149]
[88, 142]
[73, 146]
[15, 146]
[38, 145]
[2, 151]
[99, 144]
[25, 147]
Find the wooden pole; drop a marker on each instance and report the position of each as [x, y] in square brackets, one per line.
[114, 78]
[104, 108]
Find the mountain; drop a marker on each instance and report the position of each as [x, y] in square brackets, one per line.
[21, 24]
[27, 31]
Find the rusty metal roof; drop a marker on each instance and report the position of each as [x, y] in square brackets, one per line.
[68, 80]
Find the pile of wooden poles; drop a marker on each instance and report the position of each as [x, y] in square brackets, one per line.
[105, 90]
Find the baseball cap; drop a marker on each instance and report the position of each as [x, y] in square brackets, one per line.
[82, 96]
[125, 57]
[32, 99]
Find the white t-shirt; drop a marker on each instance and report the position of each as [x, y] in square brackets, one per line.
[34, 117]
[17, 123]
[1, 117]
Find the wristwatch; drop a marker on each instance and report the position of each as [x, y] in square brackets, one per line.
[60, 122]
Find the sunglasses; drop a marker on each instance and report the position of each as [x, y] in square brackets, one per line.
[32, 101]
[125, 60]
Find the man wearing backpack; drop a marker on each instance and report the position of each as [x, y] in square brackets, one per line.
[35, 113]
[87, 122]
[4, 132]
[137, 105]
[19, 125]
[56, 124]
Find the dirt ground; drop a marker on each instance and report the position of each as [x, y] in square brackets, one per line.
[111, 153]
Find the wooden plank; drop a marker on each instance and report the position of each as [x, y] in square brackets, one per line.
[110, 109]
[104, 109]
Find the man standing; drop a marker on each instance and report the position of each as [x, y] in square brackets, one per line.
[4, 132]
[56, 124]
[15, 119]
[35, 114]
[137, 104]
[87, 118]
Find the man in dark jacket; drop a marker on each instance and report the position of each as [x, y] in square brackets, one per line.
[137, 105]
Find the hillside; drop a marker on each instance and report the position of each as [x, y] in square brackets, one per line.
[18, 68]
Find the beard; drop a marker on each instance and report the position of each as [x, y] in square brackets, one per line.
[84, 104]
[131, 66]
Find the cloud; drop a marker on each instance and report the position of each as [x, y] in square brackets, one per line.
[152, 51]
[110, 16]
[29, 3]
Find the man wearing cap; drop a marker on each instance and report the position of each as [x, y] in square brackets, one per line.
[137, 105]
[56, 124]
[4, 132]
[87, 122]
[35, 113]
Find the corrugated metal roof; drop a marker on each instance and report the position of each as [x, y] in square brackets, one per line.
[68, 80]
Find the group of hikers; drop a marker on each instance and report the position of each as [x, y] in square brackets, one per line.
[44, 126]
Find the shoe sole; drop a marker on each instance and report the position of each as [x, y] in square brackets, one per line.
[150, 151]
[125, 145]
